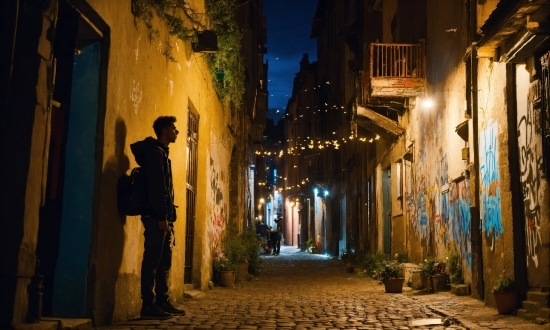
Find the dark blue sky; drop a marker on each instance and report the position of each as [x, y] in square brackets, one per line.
[288, 30]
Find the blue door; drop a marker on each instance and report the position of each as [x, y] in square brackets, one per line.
[69, 289]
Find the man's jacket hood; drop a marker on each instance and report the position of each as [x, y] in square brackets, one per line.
[141, 148]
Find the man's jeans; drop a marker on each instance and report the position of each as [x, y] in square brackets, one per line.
[157, 259]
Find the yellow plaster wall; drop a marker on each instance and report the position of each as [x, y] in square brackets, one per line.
[142, 85]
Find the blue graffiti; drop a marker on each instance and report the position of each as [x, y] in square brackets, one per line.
[422, 217]
[490, 182]
[459, 219]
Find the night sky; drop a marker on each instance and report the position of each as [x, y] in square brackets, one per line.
[288, 30]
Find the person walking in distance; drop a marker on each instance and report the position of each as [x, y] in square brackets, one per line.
[275, 237]
[158, 218]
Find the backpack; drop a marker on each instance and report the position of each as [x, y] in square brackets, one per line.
[132, 192]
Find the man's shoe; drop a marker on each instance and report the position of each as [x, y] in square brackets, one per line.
[169, 308]
[154, 313]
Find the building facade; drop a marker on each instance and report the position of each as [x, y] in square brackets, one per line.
[435, 115]
[82, 80]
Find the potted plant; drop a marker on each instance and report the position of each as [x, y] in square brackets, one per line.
[371, 263]
[224, 268]
[348, 257]
[390, 273]
[434, 274]
[505, 292]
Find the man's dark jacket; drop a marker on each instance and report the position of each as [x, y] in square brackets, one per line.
[152, 156]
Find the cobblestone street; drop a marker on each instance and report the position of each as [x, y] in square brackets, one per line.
[296, 290]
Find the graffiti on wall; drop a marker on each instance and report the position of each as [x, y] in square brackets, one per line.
[490, 182]
[218, 215]
[530, 158]
[459, 218]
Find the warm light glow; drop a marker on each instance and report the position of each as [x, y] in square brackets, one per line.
[262, 200]
[427, 103]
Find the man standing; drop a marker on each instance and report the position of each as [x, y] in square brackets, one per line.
[275, 236]
[157, 217]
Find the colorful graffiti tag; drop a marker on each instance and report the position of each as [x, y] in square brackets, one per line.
[218, 217]
[490, 182]
[460, 218]
[530, 159]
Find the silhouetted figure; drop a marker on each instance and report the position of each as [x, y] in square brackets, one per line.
[275, 237]
[157, 217]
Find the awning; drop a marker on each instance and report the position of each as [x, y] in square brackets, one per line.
[377, 123]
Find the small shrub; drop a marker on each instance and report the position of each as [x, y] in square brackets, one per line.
[432, 267]
[372, 261]
[402, 257]
[454, 267]
[504, 284]
[389, 269]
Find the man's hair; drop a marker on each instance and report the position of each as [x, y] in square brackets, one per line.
[163, 122]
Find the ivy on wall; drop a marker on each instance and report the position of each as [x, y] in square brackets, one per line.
[228, 58]
[226, 65]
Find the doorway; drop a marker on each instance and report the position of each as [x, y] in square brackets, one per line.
[66, 217]
[191, 193]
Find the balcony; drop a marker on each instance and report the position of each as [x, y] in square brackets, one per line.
[395, 71]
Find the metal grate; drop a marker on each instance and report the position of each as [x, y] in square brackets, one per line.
[192, 155]
[397, 60]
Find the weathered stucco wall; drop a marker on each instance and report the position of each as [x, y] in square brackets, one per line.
[494, 174]
[533, 181]
[142, 85]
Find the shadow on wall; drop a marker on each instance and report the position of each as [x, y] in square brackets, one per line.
[110, 239]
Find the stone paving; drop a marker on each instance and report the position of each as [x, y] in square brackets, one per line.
[296, 290]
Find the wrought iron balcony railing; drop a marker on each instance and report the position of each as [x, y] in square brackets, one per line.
[397, 60]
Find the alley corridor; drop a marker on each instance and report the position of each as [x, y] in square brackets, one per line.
[296, 290]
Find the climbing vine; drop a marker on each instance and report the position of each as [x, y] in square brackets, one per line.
[228, 59]
[226, 65]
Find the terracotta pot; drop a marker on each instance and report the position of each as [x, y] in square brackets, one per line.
[242, 271]
[227, 278]
[393, 285]
[506, 302]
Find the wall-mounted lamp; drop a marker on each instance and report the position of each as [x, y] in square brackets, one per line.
[427, 103]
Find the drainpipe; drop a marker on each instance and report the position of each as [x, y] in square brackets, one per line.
[475, 221]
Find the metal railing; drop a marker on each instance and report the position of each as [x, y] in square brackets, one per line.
[397, 60]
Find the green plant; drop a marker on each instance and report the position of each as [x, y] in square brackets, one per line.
[348, 255]
[432, 267]
[402, 257]
[504, 284]
[181, 22]
[389, 269]
[372, 261]
[228, 58]
[221, 263]
[454, 267]
[250, 242]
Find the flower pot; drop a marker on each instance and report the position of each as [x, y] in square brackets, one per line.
[242, 271]
[227, 278]
[506, 302]
[393, 285]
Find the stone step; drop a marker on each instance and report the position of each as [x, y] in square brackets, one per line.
[526, 315]
[545, 313]
[187, 287]
[460, 289]
[539, 297]
[530, 306]
[192, 294]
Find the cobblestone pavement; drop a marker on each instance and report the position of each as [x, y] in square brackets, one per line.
[296, 290]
